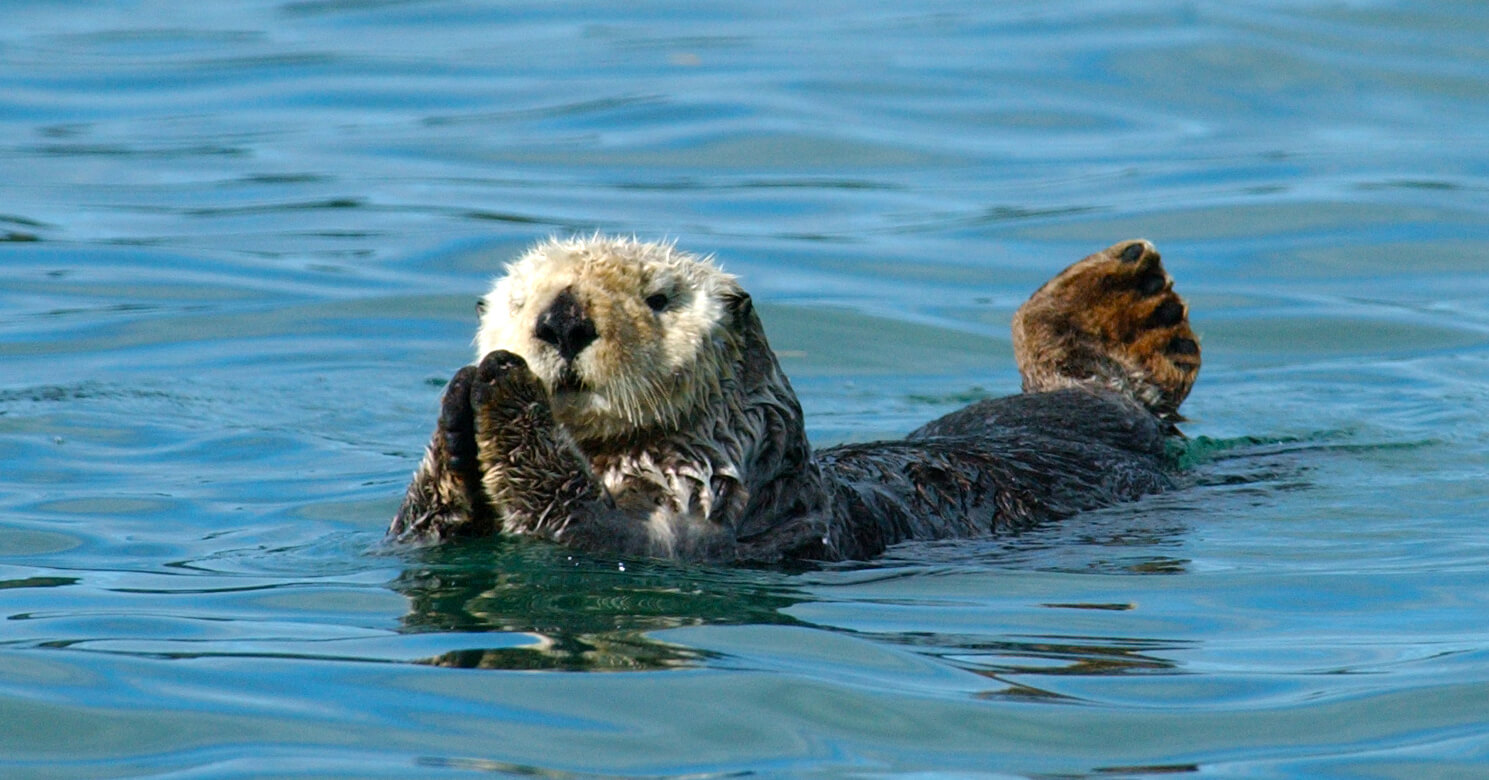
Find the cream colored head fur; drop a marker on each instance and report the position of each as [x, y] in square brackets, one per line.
[662, 338]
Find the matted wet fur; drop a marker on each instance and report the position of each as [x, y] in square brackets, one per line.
[626, 400]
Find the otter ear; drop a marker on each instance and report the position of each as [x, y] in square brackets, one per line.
[738, 302]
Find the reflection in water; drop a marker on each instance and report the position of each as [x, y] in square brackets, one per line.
[1069, 656]
[1017, 662]
[1147, 769]
[588, 614]
[593, 615]
[38, 582]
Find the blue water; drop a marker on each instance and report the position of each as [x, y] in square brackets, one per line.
[243, 242]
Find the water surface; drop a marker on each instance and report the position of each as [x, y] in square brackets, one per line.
[242, 243]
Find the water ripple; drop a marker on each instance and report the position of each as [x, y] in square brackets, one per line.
[241, 248]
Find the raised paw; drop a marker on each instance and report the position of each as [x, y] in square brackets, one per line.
[500, 364]
[457, 425]
[1112, 320]
[533, 477]
[446, 497]
[511, 410]
[503, 387]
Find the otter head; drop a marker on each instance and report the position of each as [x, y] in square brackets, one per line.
[627, 337]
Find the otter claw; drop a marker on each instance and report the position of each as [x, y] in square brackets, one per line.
[1134, 251]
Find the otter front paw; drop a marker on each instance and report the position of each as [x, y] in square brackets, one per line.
[514, 432]
[457, 427]
[504, 393]
[446, 497]
[533, 475]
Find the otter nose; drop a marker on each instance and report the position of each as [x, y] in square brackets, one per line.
[565, 325]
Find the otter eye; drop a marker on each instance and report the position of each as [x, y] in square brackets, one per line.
[480, 307]
[658, 301]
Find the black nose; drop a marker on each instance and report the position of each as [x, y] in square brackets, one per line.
[565, 325]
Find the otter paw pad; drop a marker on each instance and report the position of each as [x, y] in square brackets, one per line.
[1114, 319]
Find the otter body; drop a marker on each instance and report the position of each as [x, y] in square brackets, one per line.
[626, 400]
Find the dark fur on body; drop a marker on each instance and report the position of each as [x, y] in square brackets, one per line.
[1080, 437]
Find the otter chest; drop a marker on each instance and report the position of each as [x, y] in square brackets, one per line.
[673, 497]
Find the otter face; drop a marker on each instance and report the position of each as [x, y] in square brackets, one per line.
[625, 336]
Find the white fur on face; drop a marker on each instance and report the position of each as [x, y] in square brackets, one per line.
[646, 368]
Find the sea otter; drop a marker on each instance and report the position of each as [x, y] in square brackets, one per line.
[625, 400]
